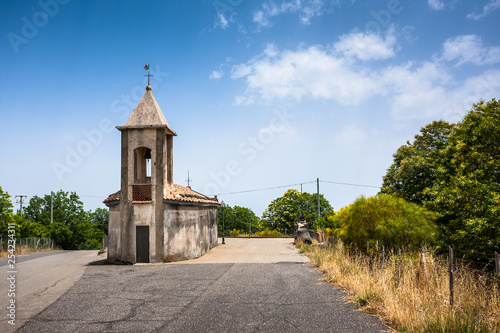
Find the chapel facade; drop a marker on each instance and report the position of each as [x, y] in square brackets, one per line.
[151, 219]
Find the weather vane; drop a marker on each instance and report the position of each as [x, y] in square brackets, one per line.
[146, 67]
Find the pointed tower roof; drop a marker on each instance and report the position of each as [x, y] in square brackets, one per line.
[147, 114]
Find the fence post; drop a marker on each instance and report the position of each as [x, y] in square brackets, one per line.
[450, 263]
[422, 270]
[383, 253]
[497, 268]
[399, 265]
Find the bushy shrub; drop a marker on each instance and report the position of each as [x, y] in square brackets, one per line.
[234, 233]
[268, 233]
[386, 220]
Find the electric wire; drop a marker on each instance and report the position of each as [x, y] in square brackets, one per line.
[267, 188]
[310, 182]
[348, 184]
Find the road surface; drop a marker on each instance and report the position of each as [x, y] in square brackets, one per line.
[246, 285]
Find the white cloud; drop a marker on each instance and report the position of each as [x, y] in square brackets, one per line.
[366, 46]
[436, 4]
[221, 21]
[240, 71]
[490, 7]
[426, 90]
[469, 48]
[216, 74]
[312, 73]
[307, 9]
[271, 50]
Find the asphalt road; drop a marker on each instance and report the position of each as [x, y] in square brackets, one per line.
[40, 279]
[222, 291]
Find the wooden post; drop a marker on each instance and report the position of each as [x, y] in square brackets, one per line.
[497, 266]
[422, 273]
[399, 265]
[383, 253]
[450, 262]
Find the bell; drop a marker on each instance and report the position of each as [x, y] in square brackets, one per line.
[147, 155]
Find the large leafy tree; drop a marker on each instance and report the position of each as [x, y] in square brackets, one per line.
[415, 167]
[283, 212]
[385, 220]
[454, 170]
[468, 193]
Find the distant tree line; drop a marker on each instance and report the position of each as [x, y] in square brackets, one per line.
[281, 214]
[71, 226]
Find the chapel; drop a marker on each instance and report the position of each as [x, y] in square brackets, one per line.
[151, 219]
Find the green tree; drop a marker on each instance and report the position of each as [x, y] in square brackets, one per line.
[386, 220]
[72, 227]
[6, 215]
[100, 219]
[454, 170]
[415, 167]
[237, 218]
[468, 193]
[283, 212]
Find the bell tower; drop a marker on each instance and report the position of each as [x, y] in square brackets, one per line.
[146, 169]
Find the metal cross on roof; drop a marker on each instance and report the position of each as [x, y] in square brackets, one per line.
[149, 75]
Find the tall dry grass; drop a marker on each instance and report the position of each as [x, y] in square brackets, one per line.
[410, 296]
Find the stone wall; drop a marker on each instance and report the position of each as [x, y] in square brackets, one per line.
[189, 231]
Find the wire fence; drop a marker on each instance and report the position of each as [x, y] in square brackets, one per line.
[380, 255]
[26, 245]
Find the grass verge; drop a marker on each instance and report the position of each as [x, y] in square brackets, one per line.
[411, 296]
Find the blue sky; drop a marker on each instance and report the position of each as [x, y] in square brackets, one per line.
[261, 93]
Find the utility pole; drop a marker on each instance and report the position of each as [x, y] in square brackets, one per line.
[223, 207]
[51, 206]
[317, 186]
[20, 202]
[249, 223]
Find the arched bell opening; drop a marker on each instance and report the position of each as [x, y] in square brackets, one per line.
[141, 189]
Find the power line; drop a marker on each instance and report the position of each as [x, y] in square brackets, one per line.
[290, 185]
[267, 188]
[348, 184]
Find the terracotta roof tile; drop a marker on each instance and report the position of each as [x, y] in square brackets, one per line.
[115, 197]
[177, 192]
[173, 192]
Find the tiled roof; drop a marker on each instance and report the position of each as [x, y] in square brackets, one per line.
[186, 194]
[173, 192]
[147, 114]
[115, 197]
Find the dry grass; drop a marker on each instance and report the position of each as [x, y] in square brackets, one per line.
[24, 250]
[409, 296]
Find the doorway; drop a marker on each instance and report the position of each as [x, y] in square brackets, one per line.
[142, 243]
